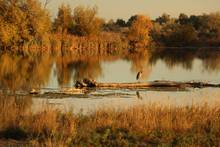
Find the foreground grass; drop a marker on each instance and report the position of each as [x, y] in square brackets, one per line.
[138, 126]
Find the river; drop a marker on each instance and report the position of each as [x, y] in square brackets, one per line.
[51, 74]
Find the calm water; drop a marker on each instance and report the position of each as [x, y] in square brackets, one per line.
[50, 75]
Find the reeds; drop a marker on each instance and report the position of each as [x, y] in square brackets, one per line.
[103, 44]
[140, 125]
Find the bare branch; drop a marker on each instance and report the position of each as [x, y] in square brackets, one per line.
[46, 3]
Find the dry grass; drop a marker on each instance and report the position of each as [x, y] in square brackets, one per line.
[19, 123]
[141, 125]
[148, 118]
[157, 124]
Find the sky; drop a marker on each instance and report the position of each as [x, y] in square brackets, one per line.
[113, 9]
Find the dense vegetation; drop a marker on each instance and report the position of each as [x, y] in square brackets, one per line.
[82, 22]
[23, 22]
[187, 30]
[26, 24]
[149, 125]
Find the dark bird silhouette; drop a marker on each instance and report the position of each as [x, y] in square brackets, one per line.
[139, 75]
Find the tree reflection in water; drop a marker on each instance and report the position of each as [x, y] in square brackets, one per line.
[18, 72]
[26, 72]
[184, 57]
[140, 62]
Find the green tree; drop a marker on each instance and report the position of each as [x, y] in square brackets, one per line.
[183, 19]
[165, 18]
[131, 19]
[120, 23]
[183, 35]
[156, 32]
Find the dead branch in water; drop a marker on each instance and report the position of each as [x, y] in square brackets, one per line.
[155, 84]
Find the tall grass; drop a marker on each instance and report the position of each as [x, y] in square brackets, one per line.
[18, 122]
[158, 125]
[137, 126]
[103, 44]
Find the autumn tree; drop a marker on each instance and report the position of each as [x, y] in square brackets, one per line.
[38, 21]
[210, 26]
[85, 21]
[63, 21]
[138, 34]
[22, 22]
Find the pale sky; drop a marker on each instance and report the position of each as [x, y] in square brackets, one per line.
[125, 8]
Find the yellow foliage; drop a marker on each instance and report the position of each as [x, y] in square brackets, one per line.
[23, 22]
[8, 33]
[64, 19]
[86, 22]
[139, 31]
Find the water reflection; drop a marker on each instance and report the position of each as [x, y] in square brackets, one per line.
[185, 58]
[174, 58]
[140, 62]
[17, 72]
[139, 95]
[210, 59]
[23, 73]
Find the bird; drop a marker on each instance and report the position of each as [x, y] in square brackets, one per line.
[139, 75]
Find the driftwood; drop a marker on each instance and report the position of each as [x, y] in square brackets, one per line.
[85, 85]
[155, 84]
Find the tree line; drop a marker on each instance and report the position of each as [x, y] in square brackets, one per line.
[27, 22]
[187, 30]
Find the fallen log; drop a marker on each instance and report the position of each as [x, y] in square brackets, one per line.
[138, 85]
[155, 84]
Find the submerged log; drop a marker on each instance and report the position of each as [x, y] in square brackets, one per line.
[154, 84]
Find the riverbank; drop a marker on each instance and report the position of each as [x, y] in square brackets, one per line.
[140, 125]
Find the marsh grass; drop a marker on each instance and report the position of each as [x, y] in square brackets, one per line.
[145, 125]
[155, 125]
[103, 44]
[17, 122]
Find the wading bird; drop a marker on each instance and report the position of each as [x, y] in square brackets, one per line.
[139, 75]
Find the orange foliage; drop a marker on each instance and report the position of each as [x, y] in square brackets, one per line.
[139, 31]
